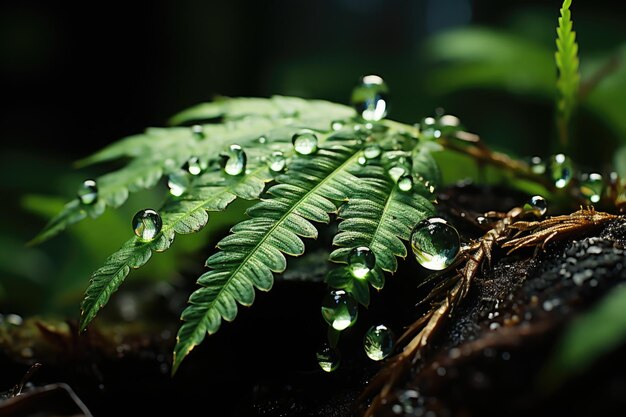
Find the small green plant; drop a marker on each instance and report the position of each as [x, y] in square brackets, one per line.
[305, 163]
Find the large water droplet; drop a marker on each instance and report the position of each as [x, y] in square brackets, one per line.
[378, 342]
[591, 186]
[561, 170]
[405, 183]
[339, 309]
[177, 182]
[198, 132]
[88, 192]
[537, 205]
[435, 243]
[276, 161]
[372, 151]
[147, 224]
[328, 358]
[361, 261]
[234, 160]
[305, 142]
[193, 166]
[370, 98]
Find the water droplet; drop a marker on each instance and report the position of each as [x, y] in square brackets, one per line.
[429, 129]
[276, 161]
[305, 142]
[361, 261]
[234, 160]
[328, 358]
[405, 183]
[537, 166]
[177, 182]
[591, 186]
[435, 243]
[537, 205]
[336, 125]
[561, 170]
[398, 171]
[261, 139]
[362, 160]
[448, 120]
[147, 224]
[14, 319]
[372, 151]
[339, 309]
[370, 98]
[88, 192]
[198, 132]
[193, 166]
[378, 342]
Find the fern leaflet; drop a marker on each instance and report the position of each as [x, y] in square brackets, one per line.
[244, 120]
[186, 214]
[254, 251]
[567, 64]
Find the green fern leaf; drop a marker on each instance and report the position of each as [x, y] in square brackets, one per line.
[567, 63]
[379, 217]
[151, 153]
[255, 250]
[212, 191]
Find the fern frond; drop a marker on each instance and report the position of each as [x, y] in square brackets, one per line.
[379, 217]
[243, 121]
[567, 64]
[255, 249]
[212, 191]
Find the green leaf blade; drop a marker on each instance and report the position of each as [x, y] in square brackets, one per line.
[188, 214]
[567, 62]
[280, 221]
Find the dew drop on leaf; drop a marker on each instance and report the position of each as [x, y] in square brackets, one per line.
[398, 171]
[362, 160]
[198, 132]
[178, 182]
[378, 342]
[328, 358]
[537, 205]
[305, 142]
[405, 183]
[193, 166]
[276, 161]
[261, 140]
[88, 192]
[361, 261]
[429, 129]
[537, 166]
[234, 160]
[372, 151]
[147, 224]
[336, 125]
[370, 98]
[591, 186]
[561, 170]
[339, 309]
[435, 243]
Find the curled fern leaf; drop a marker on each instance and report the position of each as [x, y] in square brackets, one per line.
[255, 250]
[567, 63]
